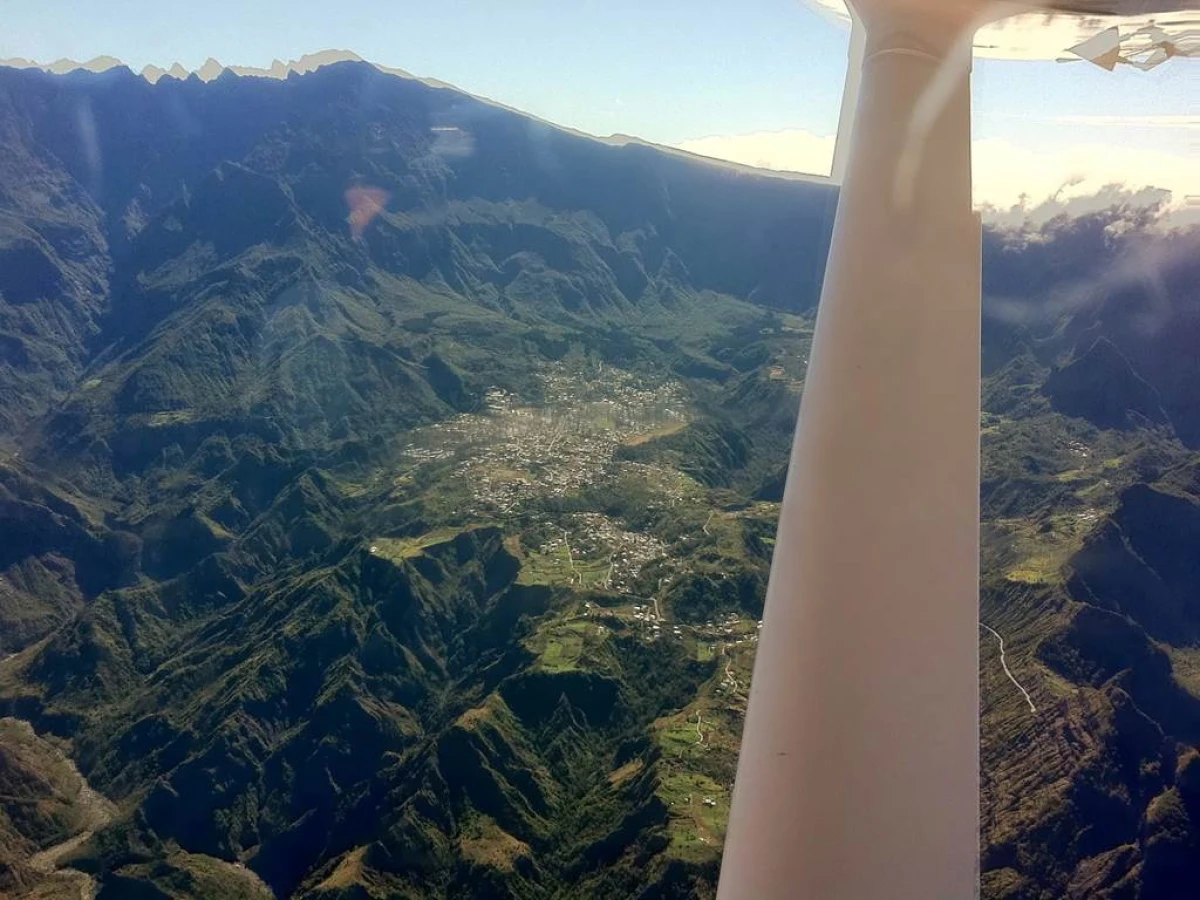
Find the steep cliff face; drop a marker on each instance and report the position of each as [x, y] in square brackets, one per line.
[1102, 387]
[1129, 641]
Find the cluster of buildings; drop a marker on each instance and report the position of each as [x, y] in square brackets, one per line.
[513, 451]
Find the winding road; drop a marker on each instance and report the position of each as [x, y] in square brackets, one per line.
[570, 557]
[1007, 671]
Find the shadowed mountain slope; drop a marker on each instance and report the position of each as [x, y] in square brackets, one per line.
[388, 485]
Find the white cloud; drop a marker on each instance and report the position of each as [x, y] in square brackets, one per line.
[1031, 35]
[1006, 173]
[792, 150]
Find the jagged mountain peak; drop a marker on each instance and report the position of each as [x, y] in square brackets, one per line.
[208, 71]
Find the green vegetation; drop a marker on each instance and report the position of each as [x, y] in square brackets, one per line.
[699, 809]
[485, 844]
[429, 561]
[406, 548]
[560, 650]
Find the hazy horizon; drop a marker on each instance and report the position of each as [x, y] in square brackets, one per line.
[760, 88]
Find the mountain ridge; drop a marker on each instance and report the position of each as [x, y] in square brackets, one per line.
[396, 479]
[310, 62]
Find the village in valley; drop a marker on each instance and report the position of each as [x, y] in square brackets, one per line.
[545, 471]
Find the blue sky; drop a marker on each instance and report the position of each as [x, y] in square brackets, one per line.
[671, 71]
[664, 69]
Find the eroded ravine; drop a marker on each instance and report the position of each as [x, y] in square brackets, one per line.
[94, 809]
